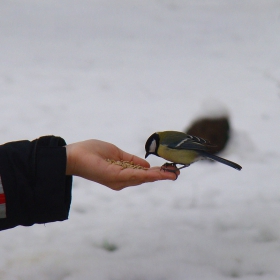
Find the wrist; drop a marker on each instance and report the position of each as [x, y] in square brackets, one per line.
[69, 160]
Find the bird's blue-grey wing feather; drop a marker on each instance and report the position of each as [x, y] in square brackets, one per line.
[191, 143]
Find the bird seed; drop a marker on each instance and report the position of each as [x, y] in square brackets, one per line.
[126, 164]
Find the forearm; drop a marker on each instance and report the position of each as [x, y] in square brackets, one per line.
[35, 186]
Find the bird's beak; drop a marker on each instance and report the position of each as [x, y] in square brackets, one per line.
[146, 155]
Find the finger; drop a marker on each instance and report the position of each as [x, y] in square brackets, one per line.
[165, 175]
[136, 176]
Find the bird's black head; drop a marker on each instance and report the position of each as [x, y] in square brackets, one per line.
[152, 144]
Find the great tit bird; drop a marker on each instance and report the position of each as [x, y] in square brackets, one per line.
[180, 148]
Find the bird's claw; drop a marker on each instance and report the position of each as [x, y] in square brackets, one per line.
[165, 167]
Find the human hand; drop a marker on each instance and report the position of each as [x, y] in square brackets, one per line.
[87, 159]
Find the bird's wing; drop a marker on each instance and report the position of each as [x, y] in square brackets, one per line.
[191, 143]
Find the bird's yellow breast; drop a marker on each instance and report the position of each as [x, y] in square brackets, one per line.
[178, 156]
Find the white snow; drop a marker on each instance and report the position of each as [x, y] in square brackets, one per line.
[119, 71]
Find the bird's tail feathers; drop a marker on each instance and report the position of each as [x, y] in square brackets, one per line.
[221, 160]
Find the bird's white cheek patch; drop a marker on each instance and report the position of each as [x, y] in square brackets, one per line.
[153, 146]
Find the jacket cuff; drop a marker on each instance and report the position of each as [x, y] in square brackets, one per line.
[52, 186]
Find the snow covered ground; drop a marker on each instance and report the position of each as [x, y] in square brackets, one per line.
[119, 71]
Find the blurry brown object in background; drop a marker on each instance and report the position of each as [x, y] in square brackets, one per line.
[215, 130]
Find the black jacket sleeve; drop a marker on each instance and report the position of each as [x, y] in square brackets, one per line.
[34, 182]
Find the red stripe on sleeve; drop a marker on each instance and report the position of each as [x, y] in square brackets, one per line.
[2, 198]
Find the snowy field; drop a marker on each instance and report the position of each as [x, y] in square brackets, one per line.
[118, 71]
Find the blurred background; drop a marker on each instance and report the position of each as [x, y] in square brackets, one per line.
[119, 71]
